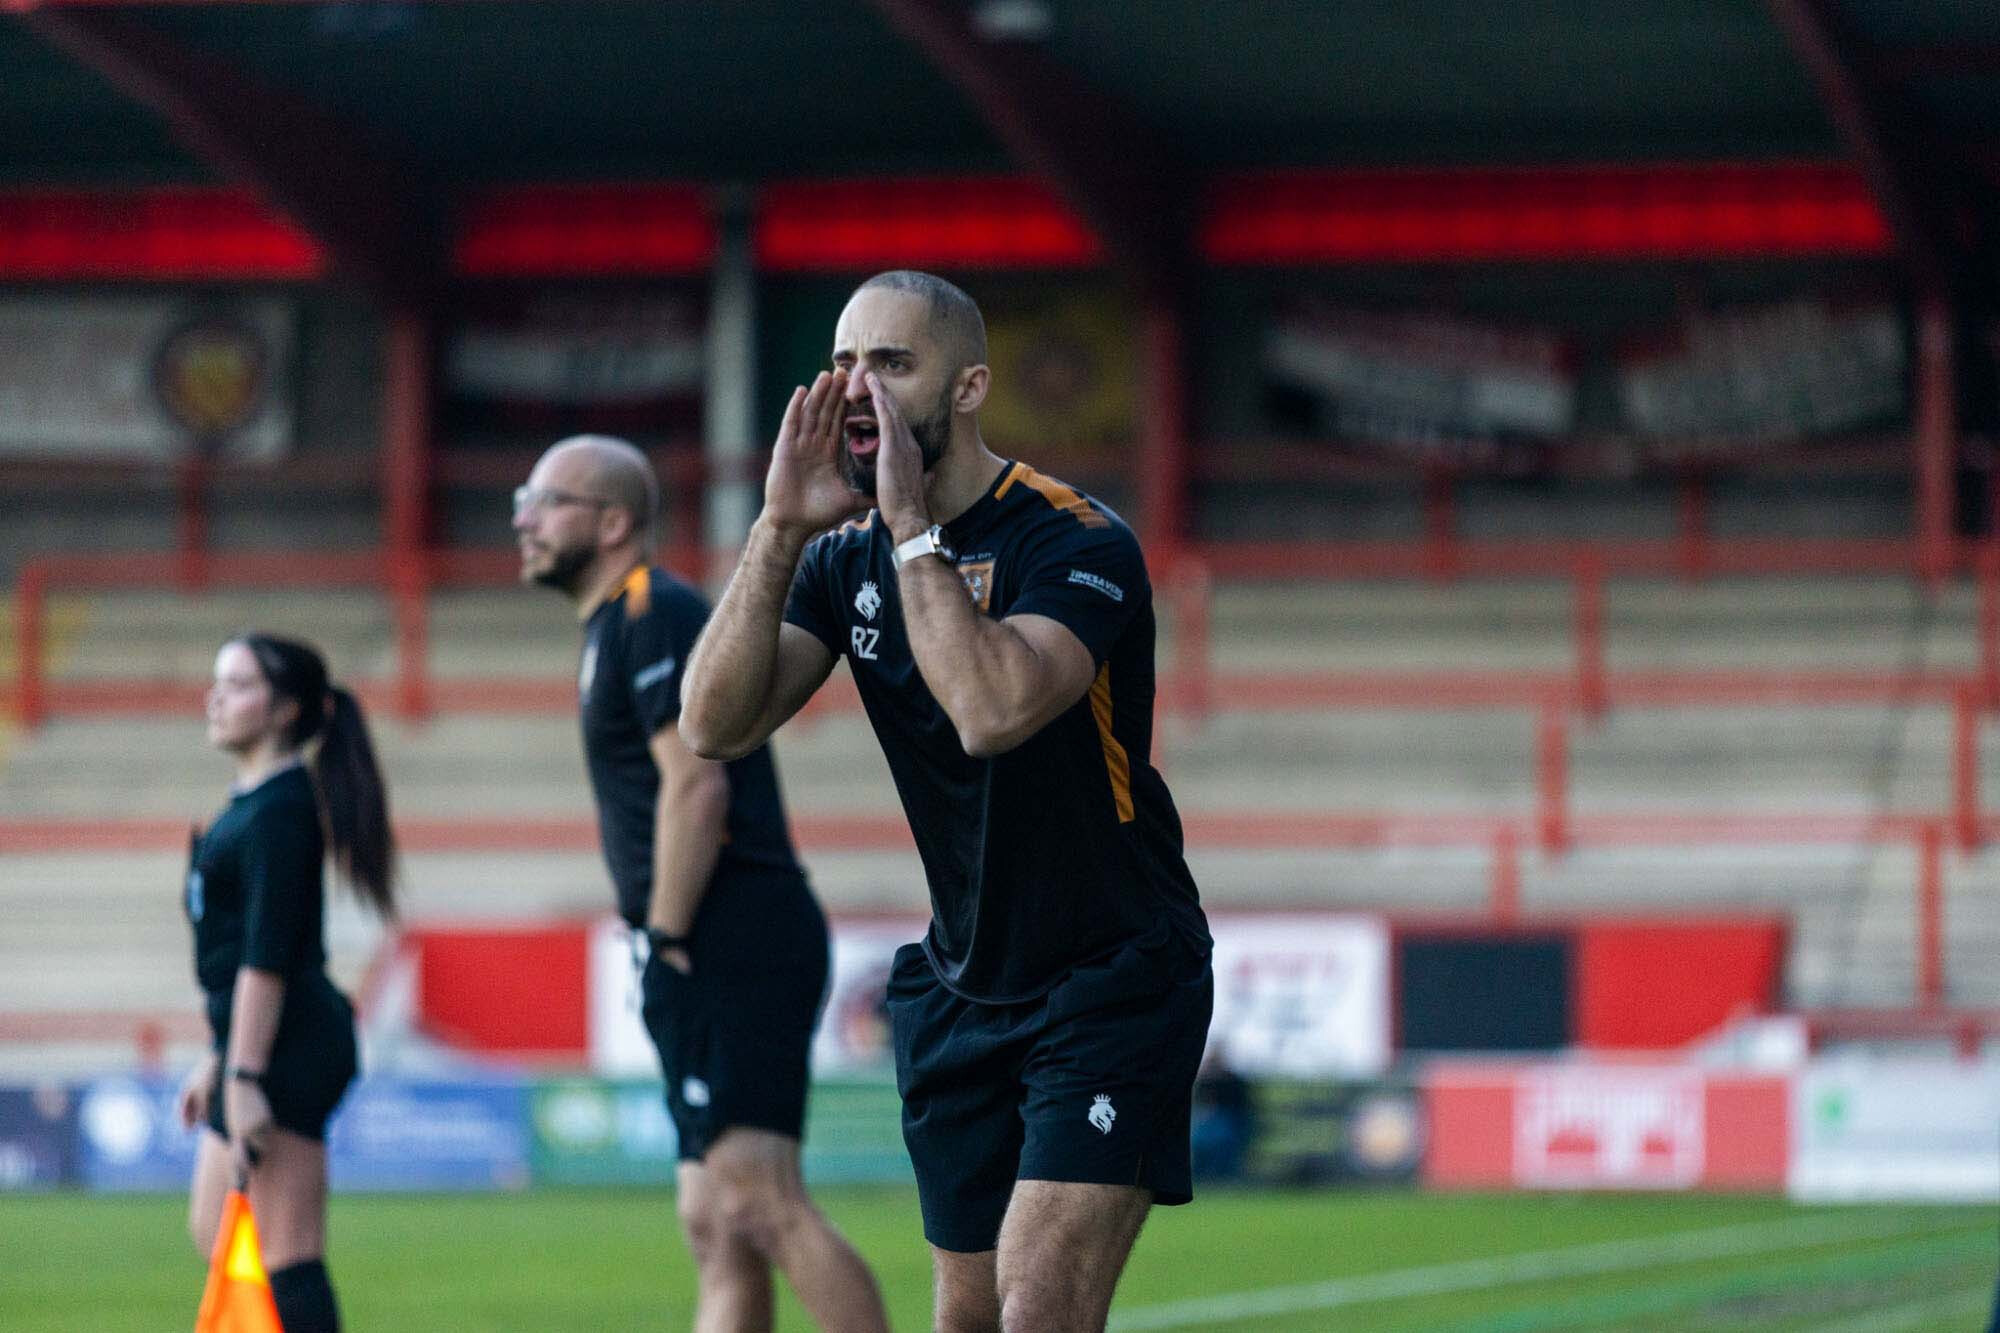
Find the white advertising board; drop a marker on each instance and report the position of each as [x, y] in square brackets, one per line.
[1896, 1129]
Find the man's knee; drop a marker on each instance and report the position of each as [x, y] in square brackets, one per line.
[968, 1314]
[965, 1297]
[756, 1214]
[696, 1209]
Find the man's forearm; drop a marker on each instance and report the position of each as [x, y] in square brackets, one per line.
[980, 671]
[687, 841]
[730, 674]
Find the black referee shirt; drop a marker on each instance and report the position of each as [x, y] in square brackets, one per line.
[634, 648]
[255, 892]
[1068, 845]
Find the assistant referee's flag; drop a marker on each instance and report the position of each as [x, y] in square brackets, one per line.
[238, 1296]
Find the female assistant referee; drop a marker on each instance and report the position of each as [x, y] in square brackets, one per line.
[284, 1048]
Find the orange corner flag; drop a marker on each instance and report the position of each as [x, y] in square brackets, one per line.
[237, 1298]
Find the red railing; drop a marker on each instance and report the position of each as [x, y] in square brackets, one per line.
[1502, 836]
[1192, 686]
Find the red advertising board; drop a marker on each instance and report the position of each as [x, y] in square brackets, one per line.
[1604, 1126]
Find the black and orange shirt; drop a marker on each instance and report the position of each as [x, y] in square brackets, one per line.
[629, 683]
[1068, 845]
[254, 891]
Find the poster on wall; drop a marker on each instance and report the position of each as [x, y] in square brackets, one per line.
[1732, 378]
[146, 378]
[1422, 385]
[604, 359]
[1065, 375]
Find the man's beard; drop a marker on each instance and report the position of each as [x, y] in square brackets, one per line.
[932, 433]
[565, 569]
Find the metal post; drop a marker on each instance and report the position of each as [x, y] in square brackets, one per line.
[30, 616]
[1930, 916]
[1965, 766]
[405, 489]
[1163, 463]
[1506, 898]
[191, 526]
[1936, 437]
[728, 504]
[1552, 776]
[1590, 687]
[1440, 525]
[1694, 535]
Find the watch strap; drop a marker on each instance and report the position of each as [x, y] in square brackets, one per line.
[928, 542]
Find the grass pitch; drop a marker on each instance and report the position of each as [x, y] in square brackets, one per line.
[552, 1261]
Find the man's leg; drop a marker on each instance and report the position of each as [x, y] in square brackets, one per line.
[734, 1280]
[965, 1297]
[757, 1200]
[1062, 1248]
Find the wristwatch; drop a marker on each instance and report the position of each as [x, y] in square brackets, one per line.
[928, 542]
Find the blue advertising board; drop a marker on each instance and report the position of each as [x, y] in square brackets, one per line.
[129, 1137]
[37, 1137]
[456, 1135]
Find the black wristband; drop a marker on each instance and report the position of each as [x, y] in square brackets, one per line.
[663, 940]
[243, 1075]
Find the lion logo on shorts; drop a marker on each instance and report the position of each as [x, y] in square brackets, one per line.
[1101, 1113]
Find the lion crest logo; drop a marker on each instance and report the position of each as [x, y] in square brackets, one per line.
[1101, 1113]
[869, 600]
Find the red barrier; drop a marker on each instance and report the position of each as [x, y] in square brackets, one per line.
[1603, 1126]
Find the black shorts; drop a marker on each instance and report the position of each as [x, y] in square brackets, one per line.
[1091, 1083]
[313, 1057]
[735, 1035]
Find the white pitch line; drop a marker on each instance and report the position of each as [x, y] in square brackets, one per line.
[1510, 1270]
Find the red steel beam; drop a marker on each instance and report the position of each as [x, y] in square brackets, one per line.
[1878, 133]
[375, 220]
[1116, 172]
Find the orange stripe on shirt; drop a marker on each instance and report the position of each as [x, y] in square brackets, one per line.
[1116, 763]
[637, 591]
[1061, 497]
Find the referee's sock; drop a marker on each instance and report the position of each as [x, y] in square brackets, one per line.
[304, 1298]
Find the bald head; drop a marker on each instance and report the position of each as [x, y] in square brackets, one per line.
[953, 317]
[610, 469]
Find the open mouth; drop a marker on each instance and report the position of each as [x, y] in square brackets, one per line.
[863, 436]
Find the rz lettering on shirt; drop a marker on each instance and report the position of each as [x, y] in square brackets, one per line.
[863, 641]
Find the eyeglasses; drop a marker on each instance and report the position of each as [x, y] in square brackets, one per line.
[528, 499]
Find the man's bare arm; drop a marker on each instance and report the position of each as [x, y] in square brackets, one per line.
[690, 821]
[999, 681]
[750, 671]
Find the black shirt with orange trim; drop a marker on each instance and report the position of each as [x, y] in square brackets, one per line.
[635, 647]
[1068, 845]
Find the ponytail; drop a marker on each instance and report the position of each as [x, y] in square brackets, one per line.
[355, 803]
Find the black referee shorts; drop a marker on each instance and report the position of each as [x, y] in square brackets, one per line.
[1091, 1083]
[313, 1057]
[734, 1036]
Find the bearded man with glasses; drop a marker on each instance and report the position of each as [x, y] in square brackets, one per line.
[731, 945]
